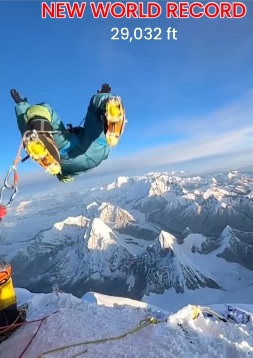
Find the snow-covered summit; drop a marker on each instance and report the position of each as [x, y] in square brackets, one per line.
[62, 320]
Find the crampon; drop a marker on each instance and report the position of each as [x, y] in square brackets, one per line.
[116, 120]
[42, 149]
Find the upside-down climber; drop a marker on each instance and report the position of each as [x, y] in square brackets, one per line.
[67, 152]
[63, 152]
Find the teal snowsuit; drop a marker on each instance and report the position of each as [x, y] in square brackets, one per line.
[79, 151]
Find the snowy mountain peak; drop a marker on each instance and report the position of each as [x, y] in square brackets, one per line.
[166, 240]
[236, 246]
[118, 183]
[111, 213]
[101, 236]
[77, 221]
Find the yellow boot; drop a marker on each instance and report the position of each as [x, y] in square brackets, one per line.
[42, 149]
[115, 120]
[38, 141]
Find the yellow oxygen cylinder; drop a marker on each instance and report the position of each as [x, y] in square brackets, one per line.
[7, 292]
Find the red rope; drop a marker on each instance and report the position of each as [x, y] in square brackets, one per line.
[30, 342]
[41, 320]
[22, 323]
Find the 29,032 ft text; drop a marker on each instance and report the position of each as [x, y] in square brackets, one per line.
[146, 33]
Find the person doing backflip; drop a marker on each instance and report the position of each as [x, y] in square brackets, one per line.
[65, 153]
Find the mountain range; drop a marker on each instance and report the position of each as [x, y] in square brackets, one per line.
[167, 235]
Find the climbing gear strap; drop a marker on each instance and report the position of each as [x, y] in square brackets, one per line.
[40, 124]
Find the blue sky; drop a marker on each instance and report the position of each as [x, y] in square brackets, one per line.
[186, 100]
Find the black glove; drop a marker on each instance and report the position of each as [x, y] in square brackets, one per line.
[16, 97]
[105, 88]
[75, 130]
